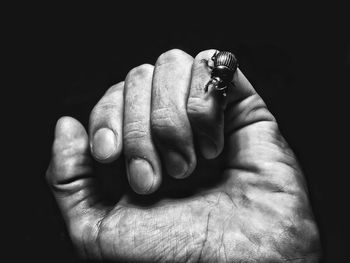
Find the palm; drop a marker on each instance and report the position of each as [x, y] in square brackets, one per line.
[253, 206]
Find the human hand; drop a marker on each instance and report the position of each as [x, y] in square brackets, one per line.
[241, 196]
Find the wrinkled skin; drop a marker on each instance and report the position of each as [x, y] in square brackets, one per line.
[249, 204]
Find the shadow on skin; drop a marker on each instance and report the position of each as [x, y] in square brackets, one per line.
[113, 184]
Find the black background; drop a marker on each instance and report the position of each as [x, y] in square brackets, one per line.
[65, 57]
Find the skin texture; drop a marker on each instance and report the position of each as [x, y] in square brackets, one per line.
[169, 173]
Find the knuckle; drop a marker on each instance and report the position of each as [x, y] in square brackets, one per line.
[196, 106]
[109, 103]
[104, 114]
[142, 71]
[171, 56]
[63, 168]
[167, 123]
[135, 130]
[66, 161]
[198, 111]
[162, 117]
[103, 107]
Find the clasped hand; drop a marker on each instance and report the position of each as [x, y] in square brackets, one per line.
[170, 173]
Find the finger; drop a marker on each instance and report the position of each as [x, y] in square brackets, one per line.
[70, 178]
[170, 126]
[205, 111]
[106, 120]
[69, 172]
[143, 164]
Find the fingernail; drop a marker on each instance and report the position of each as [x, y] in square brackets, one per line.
[104, 143]
[209, 148]
[141, 175]
[176, 165]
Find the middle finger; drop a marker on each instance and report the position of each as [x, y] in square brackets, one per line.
[170, 126]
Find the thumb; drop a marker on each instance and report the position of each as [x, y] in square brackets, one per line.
[70, 178]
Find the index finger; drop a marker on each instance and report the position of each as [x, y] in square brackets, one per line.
[105, 127]
[206, 109]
